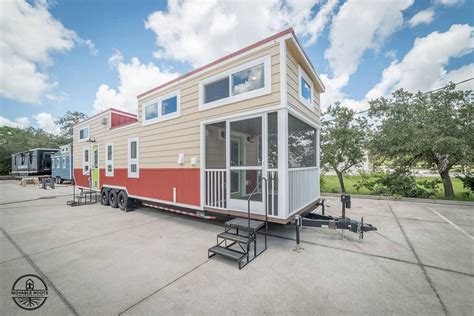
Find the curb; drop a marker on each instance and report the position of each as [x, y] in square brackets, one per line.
[402, 199]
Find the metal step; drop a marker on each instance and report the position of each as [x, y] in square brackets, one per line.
[234, 237]
[242, 223]
[226, 252]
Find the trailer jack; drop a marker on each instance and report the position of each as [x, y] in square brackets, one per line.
[327, 221]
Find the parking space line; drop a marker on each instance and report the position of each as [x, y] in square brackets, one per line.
[163, 287]
[452, 224]
[420, 263]
[41, 274]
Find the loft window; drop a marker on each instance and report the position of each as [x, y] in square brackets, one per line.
[169, 106]
[84, 133]
[248, 80]
[216, 90]
[305, 91]
[151, 111]
[245, 81]
[165, 107]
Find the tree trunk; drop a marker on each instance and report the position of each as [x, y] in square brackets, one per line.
[341, 182]
[447, 184]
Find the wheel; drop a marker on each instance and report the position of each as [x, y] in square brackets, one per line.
[113, 198]
[123, 200]
[104, 197]
[58, 180]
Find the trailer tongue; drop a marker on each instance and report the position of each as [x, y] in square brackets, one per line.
[331, 222]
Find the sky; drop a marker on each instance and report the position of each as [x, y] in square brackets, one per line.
[89, 55]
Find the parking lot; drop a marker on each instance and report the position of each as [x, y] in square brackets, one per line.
[99, 260]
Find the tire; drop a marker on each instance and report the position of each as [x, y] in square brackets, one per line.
[58, 180]
[113, 199]
[123, 201]
[104, 197]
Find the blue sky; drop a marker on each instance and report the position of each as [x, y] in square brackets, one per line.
[90, 55]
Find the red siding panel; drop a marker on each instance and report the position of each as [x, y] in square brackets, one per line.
[153, 183]
[119, 120]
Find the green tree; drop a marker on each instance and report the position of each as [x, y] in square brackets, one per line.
[68, 120]
[434, 129]
[343, 139]
[14, 140]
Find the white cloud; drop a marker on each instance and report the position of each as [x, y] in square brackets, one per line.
[199, 32]
[30, 34]
[45, 121]
[135, 78]
[358, 26]
[457, 75]
[450, 3]
[424, 65]
[422, 17]
[20, 122]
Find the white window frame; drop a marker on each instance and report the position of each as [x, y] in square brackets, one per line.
[64, 162]
[267, 87]
[58, 163]
[88, 134]
[109, 162]
[131, 161]
[84, 162]
[53, 165]
[159, 101]
[303, 75]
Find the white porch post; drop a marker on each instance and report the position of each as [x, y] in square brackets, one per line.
[318, 158]
[283, 208]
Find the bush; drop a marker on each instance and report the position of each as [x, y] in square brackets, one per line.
[467, 181]
[398, 183]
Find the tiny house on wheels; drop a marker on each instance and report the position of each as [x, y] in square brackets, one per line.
[246, 123]
[61, 164]
[35, 161]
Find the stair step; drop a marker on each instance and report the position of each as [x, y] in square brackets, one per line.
[234, 237]
[226, 252]
[242, 223]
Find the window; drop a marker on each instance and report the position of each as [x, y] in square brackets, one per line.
[133, 152]
[301, 144]
[64, 162]
[84, 134]
[85, 161]
[169, 106]
[166, 107]
[216, 90]
[109, 160]
[58, 163]
[151, 111]
[305, 88]
[246, 81]
[52, 163]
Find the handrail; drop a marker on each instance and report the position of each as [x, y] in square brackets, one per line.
[266, 212]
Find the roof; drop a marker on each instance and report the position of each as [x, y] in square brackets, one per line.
[217, 61]
[105, 112]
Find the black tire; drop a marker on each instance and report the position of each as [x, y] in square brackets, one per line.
[123, 201]
[113, 199]
[58, 180]
[104, 197]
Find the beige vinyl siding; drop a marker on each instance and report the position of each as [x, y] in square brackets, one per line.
[161, 142]
[293, 90]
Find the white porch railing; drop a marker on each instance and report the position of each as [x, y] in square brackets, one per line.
[216, 188]
[303, 187]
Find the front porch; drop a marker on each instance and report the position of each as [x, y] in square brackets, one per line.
[271, 159]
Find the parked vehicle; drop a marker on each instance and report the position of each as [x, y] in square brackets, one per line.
[32, 162]
[61, 164]
[245, 126]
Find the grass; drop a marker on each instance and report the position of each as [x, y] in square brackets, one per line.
[331, 185]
